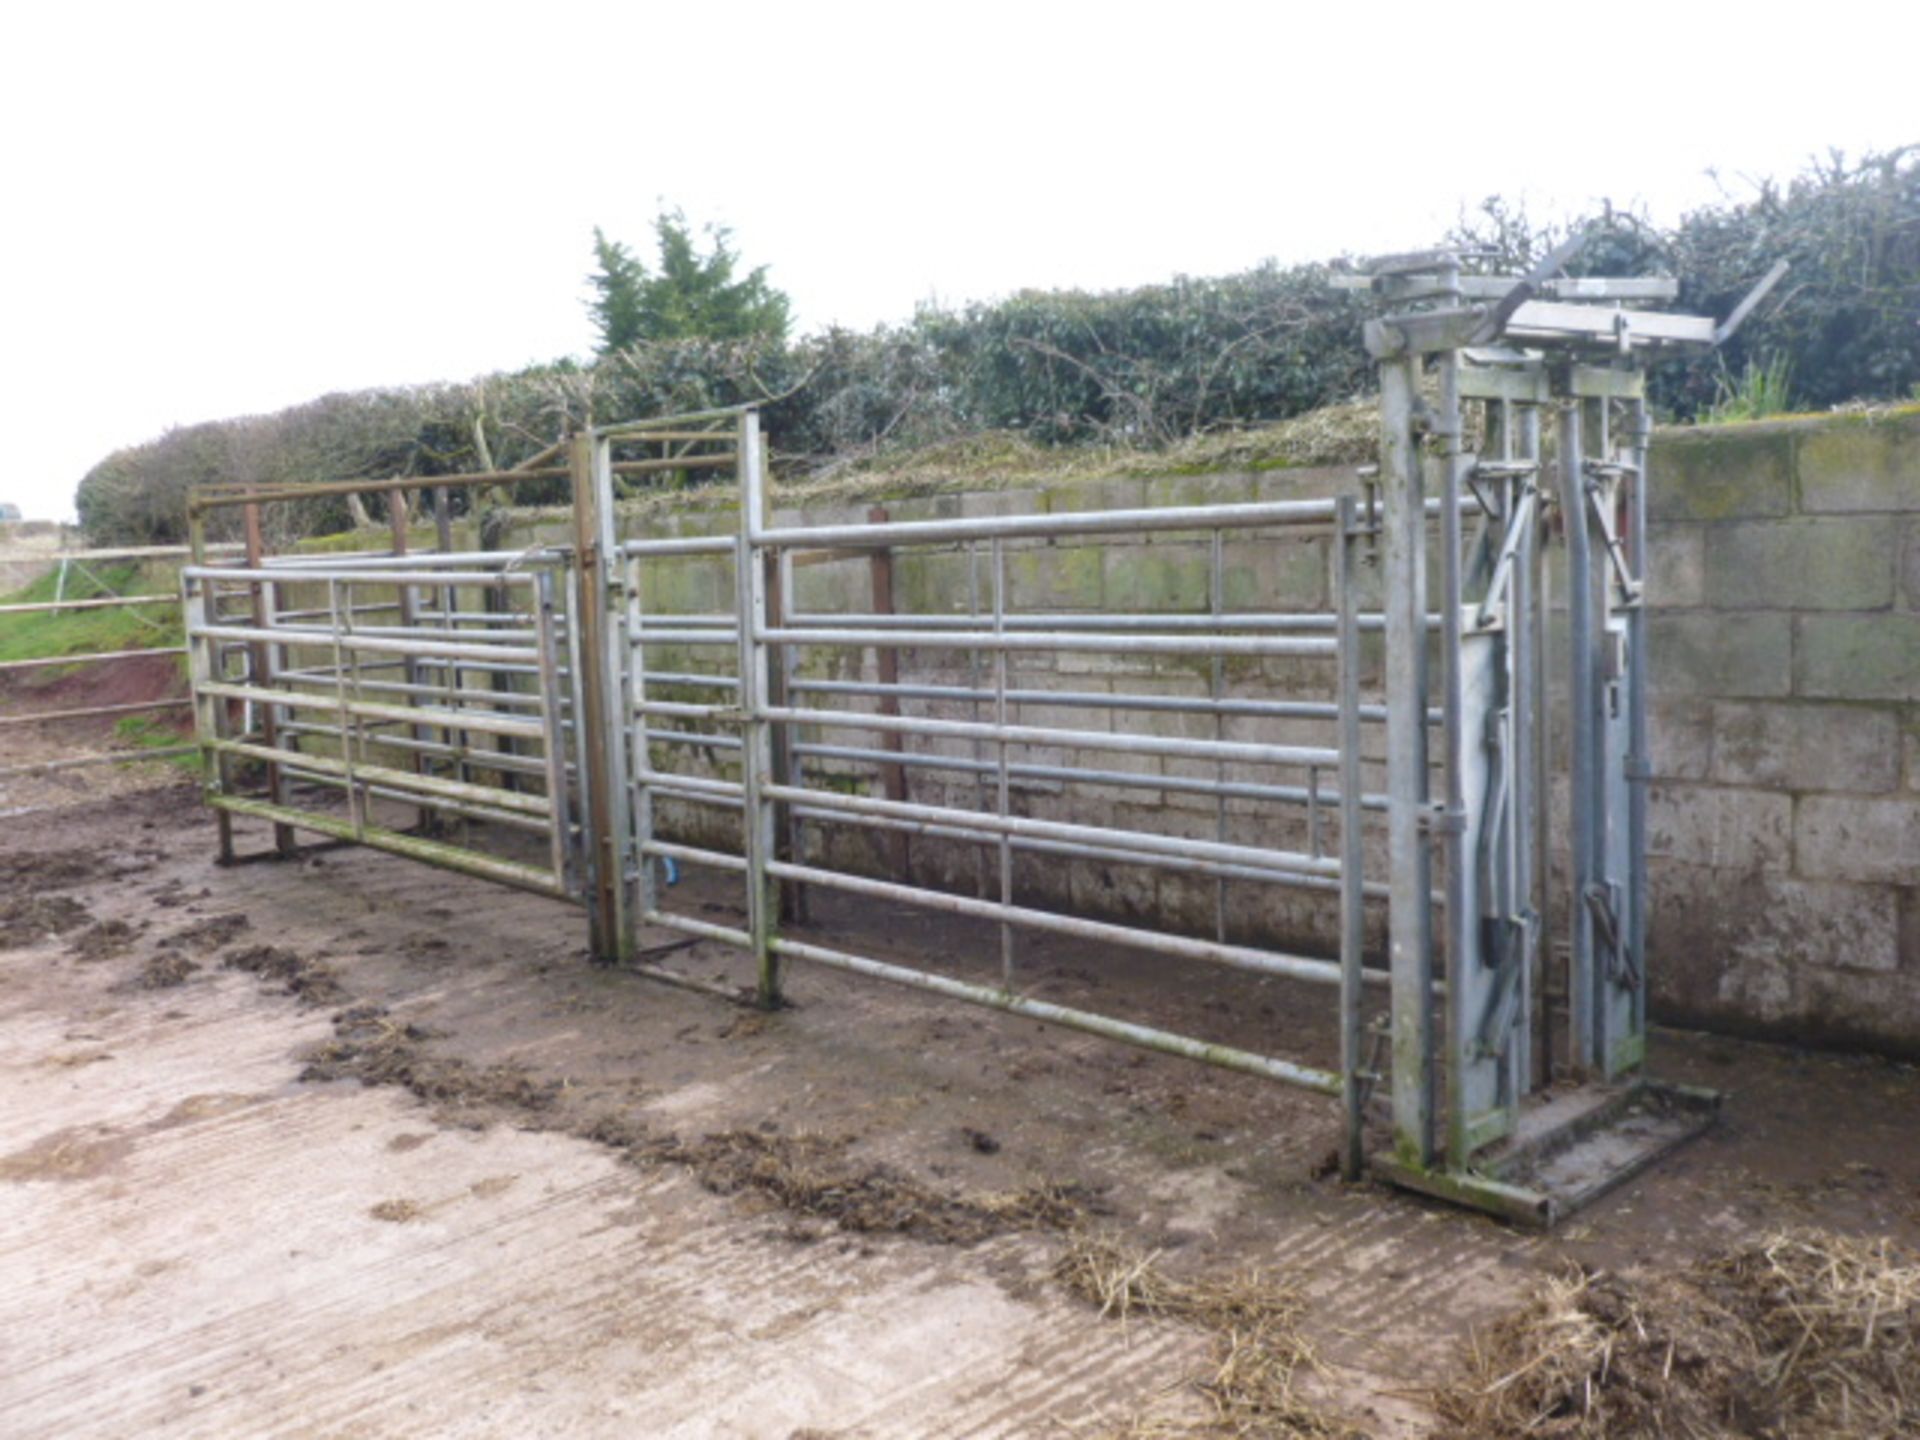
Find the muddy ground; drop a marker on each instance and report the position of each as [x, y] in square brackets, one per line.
[348, 1146]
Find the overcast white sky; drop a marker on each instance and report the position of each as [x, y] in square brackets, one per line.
[218, 209]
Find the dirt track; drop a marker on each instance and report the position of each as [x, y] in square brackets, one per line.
[201, 1242]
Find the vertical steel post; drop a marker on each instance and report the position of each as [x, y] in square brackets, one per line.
[759, 820]
[982, 862]
[260, 658]
[1520, 433]
[200, 650]
[648, 897]
[782, 601]
[1542, 585]
[1004, 788]
[1352, 849]
[886, 660]
[598, 756]
[1410, 885]
[559, 821]
[1462, 913]
[339, 626]
[397, 520]
[1582, 658]
[216, 772]
[1639, 753]
[1217, 689]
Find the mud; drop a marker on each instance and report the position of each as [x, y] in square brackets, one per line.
[215, 932]
[70, 1155]
[813, 1177]
[32, 919]
[309, 981]
[26, 871]
[368, 1045]
[810, 1176]
[106, 940]
[163, 972]
[873, 1120]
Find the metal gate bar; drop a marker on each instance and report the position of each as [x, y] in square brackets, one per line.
[742, 727]
[394, 690]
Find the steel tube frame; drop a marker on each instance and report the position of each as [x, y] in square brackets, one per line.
[766, 728]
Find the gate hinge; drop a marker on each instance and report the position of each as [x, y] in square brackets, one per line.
[1438, 820]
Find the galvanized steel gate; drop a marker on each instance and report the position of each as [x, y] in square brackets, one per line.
[567, 692]
[778, 724]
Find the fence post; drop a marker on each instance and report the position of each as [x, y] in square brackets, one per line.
[759, 822]
[893, 777]
[1410, 882]
[204, 665]
[599, 724]
[260, 656]
[1353, 1088]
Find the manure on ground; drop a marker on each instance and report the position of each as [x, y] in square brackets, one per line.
[815, 1176]
[31, 919]
[311, 981]
[215, 932]
[371, 1047]
[163, 972]
[103, 941]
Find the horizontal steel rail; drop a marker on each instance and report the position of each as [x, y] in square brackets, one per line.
[414, 574]
[1302, 756]
[1278, 863]
[898, 533]
[1087, 699]
[492, 561]
[90, 712]
[487, 813]
[1144, 1037]
[106, 602]
[497, 699]
[1087, 641]
[477, 720]
[433, 852]
[475, 758]
[91, 657]
[406, 780]
[103, 757]
[693, 855]
[1096, 622]
[1067, 774]
[1027, 845]
[1238, 957]
[681, 545]
[426, 646]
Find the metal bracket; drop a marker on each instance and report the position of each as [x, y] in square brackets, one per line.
[1603, 901]
[1733, 322]
[1530, 283]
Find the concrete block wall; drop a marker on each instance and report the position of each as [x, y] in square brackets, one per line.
[1784, 831]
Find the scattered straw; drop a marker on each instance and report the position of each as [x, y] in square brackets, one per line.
[1259, 1353]
[1804, 1333]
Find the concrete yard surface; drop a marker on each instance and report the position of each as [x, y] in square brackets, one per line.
[520, 1208]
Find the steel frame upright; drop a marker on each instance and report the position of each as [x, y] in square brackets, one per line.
[1450, 339]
